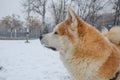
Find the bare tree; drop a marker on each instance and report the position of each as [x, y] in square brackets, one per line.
[59, 10]
[89, 10]
[7, 23]
[117, 12]
[38, 7]
[34, 25]
[12, 23]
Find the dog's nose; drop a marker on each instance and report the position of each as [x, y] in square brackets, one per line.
[40, 37]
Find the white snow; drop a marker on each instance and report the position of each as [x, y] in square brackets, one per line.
[30, 61]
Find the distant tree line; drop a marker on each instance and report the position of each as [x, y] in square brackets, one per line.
[13, 27]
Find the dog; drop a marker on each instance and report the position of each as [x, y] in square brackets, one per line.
[114, 35]
[85, 52]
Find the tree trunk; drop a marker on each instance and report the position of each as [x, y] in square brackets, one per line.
[27, 36]
[117, 13]
[15, 35]
[11, 33]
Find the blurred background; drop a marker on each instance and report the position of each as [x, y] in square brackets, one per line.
[23, 19]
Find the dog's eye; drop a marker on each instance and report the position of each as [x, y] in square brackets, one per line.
[56, 33]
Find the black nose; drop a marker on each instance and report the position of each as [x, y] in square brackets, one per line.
[40, 37]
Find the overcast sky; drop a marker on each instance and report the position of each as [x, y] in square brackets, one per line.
[9, 7]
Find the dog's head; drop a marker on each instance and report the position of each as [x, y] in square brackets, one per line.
[67, 34]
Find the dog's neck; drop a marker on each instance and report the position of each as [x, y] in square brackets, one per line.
[85, 67]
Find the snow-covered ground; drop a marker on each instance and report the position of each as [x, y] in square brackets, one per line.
[29, 61]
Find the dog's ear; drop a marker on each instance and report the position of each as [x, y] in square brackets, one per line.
[72, 16]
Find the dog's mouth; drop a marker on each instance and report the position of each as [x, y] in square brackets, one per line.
[52, 48]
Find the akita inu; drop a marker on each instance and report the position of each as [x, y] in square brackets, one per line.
[85, 52]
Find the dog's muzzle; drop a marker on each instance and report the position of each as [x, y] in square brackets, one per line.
[52, 48]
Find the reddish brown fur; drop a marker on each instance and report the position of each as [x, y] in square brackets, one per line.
[63, 30]
[110, 67]
[90, 38]
[86, 53]
[86, 34]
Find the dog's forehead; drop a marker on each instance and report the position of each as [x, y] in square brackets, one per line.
[62, 28]
[58, 27]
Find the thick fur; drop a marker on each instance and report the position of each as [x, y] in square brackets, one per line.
[85, 52]
[114, 35]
